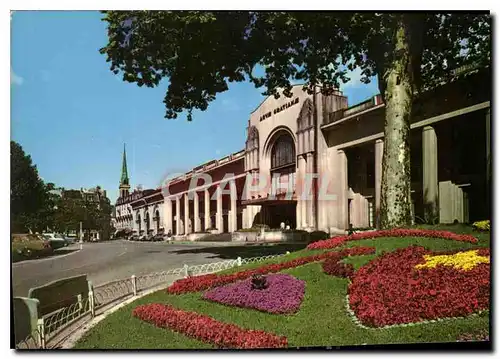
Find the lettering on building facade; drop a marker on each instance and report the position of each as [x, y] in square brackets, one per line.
[279, 109]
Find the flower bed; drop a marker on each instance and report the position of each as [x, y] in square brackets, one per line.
[481, 225]
[207, 329]
[283, 295]
[203, 282]
[337, 241]
[399, 287]
[336, 268]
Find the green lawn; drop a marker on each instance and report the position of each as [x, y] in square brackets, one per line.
[321, 321]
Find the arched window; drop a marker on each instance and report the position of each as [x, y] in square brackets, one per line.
[283, 152]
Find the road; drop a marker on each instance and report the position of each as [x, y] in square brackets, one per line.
[107, 261]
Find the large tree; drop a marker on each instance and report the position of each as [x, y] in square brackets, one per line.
[200, 52]
[73, 208]
[32, 204]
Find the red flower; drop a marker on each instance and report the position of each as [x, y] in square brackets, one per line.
[203, 282]
[207, 329]
[398, 232]
[390, 290]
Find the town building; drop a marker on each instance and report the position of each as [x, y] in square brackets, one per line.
[137, 212]
[95, 195]
[288, 139]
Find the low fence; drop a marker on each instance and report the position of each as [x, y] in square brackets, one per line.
[107, 295]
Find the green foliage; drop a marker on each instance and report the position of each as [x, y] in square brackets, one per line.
[30, 250]
[201, 52]
[253, 229]
[73, 208]
[32, 205]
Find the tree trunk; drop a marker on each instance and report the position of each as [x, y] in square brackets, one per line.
[395, 203]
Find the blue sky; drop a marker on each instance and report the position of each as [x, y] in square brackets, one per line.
[72, 115]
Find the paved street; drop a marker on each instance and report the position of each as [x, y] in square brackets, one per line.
[107, 261]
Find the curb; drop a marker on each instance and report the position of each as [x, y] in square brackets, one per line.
[15, 264]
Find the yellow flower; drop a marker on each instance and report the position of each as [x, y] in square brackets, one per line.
[482, 225]
[461, 260]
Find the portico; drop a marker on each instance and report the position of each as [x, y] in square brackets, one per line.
[213, 206]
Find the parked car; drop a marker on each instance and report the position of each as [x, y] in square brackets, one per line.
[70, 240]
[149, 237]
[56, 240]
[134, 237]
[158, 238]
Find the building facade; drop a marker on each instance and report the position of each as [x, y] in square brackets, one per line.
[123, 209]
[315, 163]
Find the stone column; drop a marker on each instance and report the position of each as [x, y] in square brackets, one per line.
[301, 203]
[197, 223]
[218, 216]
[249, 210]
[430, 172]
[168, 215]
[244, 218]
[232, 209]
[445, 202]
[186, 213]
[310, 196]
[379, 152]
[178, 215]
[208, 223]
[460, 201]
[343, 191]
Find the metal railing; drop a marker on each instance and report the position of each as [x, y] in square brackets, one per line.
[32, 341]
[114, 292]
[49, 326]
[111, 291]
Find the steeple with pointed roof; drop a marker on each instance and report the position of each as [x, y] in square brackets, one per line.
[124, 178]
[124, 182]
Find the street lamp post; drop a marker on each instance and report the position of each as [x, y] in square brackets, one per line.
[81, 236]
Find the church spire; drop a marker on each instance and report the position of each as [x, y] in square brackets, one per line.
[124, 178]
[124, 185]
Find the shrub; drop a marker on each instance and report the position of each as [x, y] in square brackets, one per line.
[284, 294]
[259, 226]
[30, 250]
[399, 232]
[207, 281]
[338, 269]
[317, 236]
[253, 229]
[207, 329]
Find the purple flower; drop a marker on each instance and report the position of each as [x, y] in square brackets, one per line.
[283, 295]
